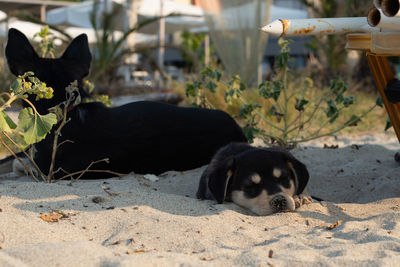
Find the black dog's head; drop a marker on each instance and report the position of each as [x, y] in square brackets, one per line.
[57, 73]
[263, 180]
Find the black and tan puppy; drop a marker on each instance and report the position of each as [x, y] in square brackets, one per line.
[263, 180]
[140, 137]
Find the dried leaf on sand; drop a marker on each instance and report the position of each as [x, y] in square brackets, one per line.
[333, 226]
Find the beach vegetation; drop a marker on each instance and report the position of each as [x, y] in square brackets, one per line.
[286, 109]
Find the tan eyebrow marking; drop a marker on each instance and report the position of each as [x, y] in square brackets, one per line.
[256, 178]
[276, 172]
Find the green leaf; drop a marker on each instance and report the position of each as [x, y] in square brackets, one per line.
[284, 44]
[242, 86]
[270, 90]
[212, 86]
[388, 124]
[217, 75]
[35, 127]
[247, 109]
[191, 89]
[379, 101]
[228, 96]
[250, 133]
[338, 86]
[272, 110]
[207, 72]
[347, 101]
[339, 99]
[354, 120]
[26, 74]
[16, 85]
[6, 123]
[332, 111]
[308, 83]
[282, 60]
[300, 103]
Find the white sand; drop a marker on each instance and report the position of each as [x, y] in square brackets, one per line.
[160, 223]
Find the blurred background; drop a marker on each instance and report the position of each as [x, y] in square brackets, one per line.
[143, 46]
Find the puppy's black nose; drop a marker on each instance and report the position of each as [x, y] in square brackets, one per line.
[278, 203]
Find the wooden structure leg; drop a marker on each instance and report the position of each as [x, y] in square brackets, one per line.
[382, 73]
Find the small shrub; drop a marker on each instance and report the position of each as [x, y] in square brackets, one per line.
[33, 127]
[287, 109]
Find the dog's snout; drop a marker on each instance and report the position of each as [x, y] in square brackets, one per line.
[279, 203]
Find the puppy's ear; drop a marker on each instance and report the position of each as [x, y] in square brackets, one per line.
[219, 176]
[202, 189]
[79, 53]
[19, 52]
[301, 172]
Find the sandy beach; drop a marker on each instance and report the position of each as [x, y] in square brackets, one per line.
[134, 221]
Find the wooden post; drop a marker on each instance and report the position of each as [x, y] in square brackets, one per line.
[207, 49]
[161, 43]
[43, 13]
[382, 73]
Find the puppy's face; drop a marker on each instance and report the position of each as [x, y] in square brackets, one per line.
[263, 184]
[264, 181]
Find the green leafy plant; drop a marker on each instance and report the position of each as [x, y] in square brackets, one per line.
[32, 127]
[289, 109]
[111, 50]
[193, 50]
[89, 87]
[46, 44]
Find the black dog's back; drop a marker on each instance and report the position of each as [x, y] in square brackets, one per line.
[143, 137]
[175, 137]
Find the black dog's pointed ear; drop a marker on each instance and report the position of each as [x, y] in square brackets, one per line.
[301, 173]
[78, 51]
[219, 177]
[19, 52]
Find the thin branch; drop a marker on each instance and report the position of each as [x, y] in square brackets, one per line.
[16, 157]
[316, 108]
[5, 93]
[32, 106]
[7, 104]
[26, 154]
[347, 124]
[63, 142]
[55, 141]
[94, 171]
[241, 98]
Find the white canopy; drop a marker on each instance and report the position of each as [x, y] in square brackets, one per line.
[79, 15]
[189, 16]
[30, 29]
[234, 18]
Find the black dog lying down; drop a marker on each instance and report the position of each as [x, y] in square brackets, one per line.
[264, 180]
[143, 137]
